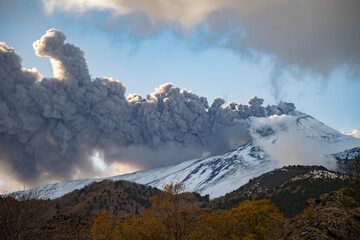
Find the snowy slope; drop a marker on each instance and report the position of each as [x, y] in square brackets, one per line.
[353, 133]
[276, 141]
[347, 154]
[214, 176]
[299, 139]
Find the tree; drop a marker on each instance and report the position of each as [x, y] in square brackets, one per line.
[176, 215]
[250, 220]
[173, 217]
[104, 226]
[170, 217]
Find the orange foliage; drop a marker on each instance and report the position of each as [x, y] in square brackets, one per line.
[168, 218]
[104, 226]
[250, 220]
[172, 218]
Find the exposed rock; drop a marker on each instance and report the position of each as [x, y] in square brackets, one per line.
[330, 216]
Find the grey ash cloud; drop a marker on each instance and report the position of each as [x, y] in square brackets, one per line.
[50, 127]
[300, 37]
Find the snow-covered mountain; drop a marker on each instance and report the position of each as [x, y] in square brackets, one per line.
[276, 141]
[215, 175]
[299, 139]
[347, 154]
[354, 133]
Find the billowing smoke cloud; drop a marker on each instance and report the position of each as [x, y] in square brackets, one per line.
[279, 136]
[50, 127]
[313, 37]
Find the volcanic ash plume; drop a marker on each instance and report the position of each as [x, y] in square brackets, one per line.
[51, 127]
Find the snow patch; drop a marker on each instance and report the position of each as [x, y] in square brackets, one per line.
[319, 174]
[354, 133]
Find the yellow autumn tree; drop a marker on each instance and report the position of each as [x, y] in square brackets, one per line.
[173, 217]
[250, 220]
[176, 215]
[104, 227]
[170, 217]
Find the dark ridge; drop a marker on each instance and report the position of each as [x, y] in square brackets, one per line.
[278, 185]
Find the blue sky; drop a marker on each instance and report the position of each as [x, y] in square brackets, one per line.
[143, 62]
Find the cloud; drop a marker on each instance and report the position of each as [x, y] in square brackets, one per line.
[301, 37]
[50, 128]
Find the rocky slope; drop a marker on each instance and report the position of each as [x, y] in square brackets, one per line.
[330, 216]
[62, 228]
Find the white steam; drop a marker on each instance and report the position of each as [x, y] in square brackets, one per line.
[287, 142]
